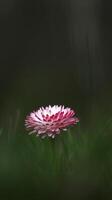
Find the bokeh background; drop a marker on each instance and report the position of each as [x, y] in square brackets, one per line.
[56, 52]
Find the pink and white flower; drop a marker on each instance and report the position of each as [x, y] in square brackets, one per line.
[49, 121]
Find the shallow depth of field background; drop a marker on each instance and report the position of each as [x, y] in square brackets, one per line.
[56, 52]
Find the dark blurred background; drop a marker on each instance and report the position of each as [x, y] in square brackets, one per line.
[55, 52]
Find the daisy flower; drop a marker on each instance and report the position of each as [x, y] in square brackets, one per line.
[49, 121]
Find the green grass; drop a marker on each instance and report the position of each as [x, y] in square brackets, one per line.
[76, 164]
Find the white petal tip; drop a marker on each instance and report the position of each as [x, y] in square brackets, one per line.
[30, 133]
[49, 134]
[43, 136]
[65, 129]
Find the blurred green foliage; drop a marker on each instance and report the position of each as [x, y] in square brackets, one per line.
[75, 165]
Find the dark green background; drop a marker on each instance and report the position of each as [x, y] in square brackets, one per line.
[56, 52]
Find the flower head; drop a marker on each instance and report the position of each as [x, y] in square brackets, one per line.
[49, 121]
